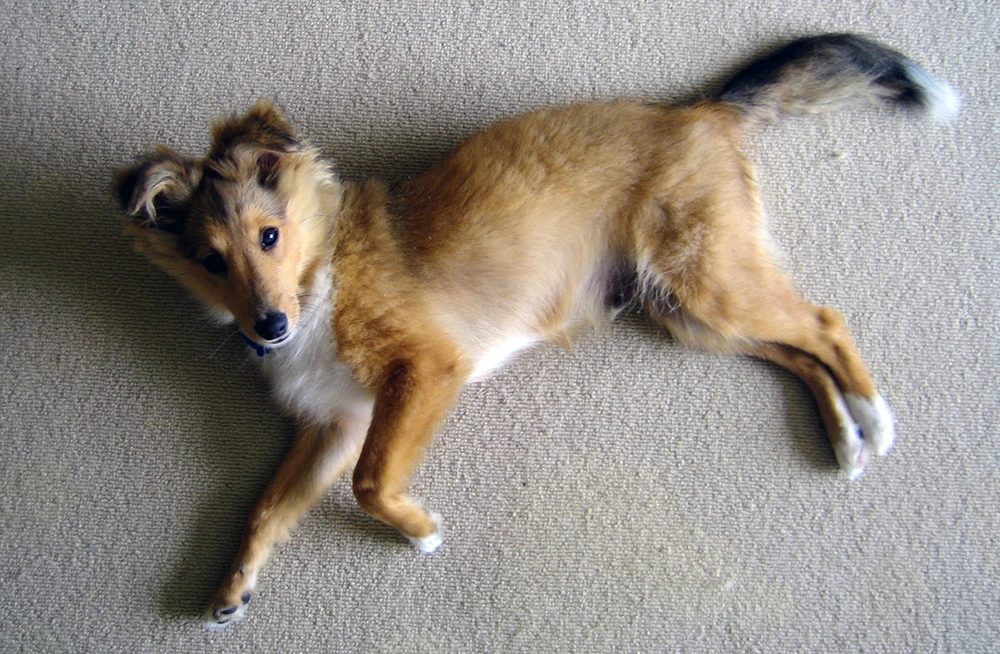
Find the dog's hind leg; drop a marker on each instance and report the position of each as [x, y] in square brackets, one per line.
[725, 294]
[812, 343]
[318, 458]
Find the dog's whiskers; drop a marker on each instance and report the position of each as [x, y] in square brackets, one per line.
[223, 343]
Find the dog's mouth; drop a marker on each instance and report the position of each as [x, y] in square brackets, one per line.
[267, 346]
[281, 340]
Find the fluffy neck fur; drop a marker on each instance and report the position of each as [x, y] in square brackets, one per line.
[306, 375]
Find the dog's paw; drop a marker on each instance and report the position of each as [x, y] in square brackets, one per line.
[226, 610]
[853, 452]
[867, 429]
[878, 426]
[428, 544]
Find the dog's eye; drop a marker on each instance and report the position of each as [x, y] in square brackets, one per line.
[215, 264]
[268, 238]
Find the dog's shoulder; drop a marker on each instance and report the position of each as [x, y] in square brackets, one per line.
[383, 311]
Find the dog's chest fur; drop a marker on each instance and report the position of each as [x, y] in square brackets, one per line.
[306, 375]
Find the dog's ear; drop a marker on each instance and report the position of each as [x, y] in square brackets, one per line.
[153, 192]
[263, 125]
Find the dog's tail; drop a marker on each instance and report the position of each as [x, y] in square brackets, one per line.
[823, 73]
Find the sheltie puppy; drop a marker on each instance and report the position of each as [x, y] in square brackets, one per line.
[371, 309]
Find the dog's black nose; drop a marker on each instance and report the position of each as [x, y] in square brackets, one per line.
[274, 325]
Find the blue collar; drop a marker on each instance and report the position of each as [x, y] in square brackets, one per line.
[259, 349]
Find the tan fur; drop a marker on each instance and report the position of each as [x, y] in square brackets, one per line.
[526, 233]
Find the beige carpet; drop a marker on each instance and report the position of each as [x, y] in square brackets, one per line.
[627, 496]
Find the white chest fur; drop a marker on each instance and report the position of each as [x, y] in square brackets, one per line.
[306, 376]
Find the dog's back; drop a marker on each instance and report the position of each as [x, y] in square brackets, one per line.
[552, 221]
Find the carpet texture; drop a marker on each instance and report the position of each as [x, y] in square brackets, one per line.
[628, 495]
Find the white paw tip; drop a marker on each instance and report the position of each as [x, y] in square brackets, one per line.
[876, 420]
[428, 544]
[853, 454]
[854, 473]
[852, 459]
[884, 445]
[883, 436]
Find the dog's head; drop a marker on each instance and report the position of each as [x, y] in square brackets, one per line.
[243, 228]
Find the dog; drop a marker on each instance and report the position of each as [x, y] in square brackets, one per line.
[371, 309]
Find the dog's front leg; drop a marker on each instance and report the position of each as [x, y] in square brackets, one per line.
[410, 404]
[318, 458]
